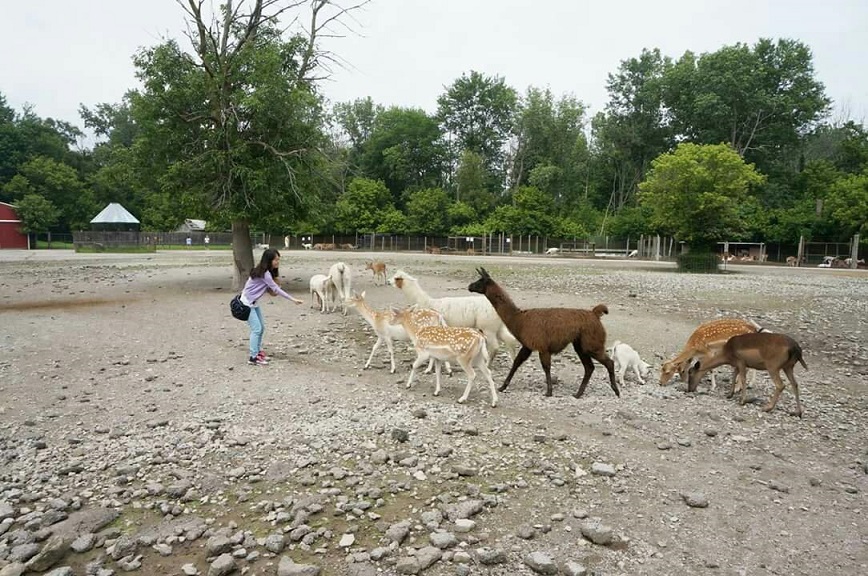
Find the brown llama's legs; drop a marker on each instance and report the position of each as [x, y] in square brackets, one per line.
[545, 358]
[522, 355]
[589, 369]
[604, 359]
[788, 370]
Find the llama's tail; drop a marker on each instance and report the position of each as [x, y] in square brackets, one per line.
[600, 309]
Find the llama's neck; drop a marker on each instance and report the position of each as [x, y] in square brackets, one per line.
[503, 304]
[416, 294]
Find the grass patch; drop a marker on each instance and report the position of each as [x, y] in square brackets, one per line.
[99, 249]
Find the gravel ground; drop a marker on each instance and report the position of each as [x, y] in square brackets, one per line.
[134, 437]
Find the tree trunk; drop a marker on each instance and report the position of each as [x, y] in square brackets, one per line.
[242, 253]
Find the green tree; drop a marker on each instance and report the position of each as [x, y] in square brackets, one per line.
[633, 129]
[357, 120]
[460, 215]
[37, 214]
[847, 204]
[531, 212]
[695, 191]
[550, 140]
[234, 125]
[404, 151]
[60, 184]
[760, 99]
[428, 212]
[363, 207]
[471, 186]
[477, 112]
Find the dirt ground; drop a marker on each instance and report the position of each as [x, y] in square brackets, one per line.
[119, 373]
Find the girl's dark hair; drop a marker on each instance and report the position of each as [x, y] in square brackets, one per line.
[265, 264]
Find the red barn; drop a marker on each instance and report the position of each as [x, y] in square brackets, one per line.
[10, 228]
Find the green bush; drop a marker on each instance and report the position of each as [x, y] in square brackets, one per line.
[699, 263]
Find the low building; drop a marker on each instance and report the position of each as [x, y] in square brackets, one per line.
[11, 235]
[191, 225]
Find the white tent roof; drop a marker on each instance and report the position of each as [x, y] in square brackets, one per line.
[114, 213]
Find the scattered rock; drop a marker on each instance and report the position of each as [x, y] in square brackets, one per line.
[541, 563]
[695, 499]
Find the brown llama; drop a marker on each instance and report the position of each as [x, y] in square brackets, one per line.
[548, 331]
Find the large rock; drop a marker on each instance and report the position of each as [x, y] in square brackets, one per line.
[123, 547]
[275, 543]
[289, 568]
[6, 511]
[14, 569]
[223, 565]
[397, 532]
[218, 545]
[574, 569]
[23, 552]
[443, 540]
[427, 556]
[53, 551]
[598, 533]
[464, 509]
[541, 563]
[489, 556]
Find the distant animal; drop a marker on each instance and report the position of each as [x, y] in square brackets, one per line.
[379, 270]
[307, 246]
[548, 331]
[552, 251]
[633, 254]
[348, 247]
[432, 250]
[761, 351]
[626, 358]
[342, 277]
[792, 261]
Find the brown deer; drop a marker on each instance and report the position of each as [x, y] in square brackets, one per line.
[760, 351]
[705, 341]
[379, 270]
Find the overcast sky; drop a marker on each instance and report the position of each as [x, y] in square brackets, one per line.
[58, 54]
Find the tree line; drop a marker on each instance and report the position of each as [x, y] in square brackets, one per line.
[230, 125]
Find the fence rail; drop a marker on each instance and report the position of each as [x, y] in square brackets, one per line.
[642, 247]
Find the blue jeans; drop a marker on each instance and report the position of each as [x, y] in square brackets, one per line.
[257, 329]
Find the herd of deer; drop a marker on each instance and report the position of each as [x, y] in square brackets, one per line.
[468, 330]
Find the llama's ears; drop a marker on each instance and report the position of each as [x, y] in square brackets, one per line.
[483, 273]
[363, 294]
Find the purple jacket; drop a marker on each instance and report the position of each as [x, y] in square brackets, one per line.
[256, 287]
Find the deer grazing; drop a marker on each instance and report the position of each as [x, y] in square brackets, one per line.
[760, 351]
[379, 270]
[463, 345]
[705, 341]
[381, 322]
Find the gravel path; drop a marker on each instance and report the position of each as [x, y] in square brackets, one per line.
[133, 436]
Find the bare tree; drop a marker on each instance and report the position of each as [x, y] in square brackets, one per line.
[217, 41]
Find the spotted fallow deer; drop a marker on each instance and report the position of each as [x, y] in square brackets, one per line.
[463, 345]
[706, 341]
[380, 321]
